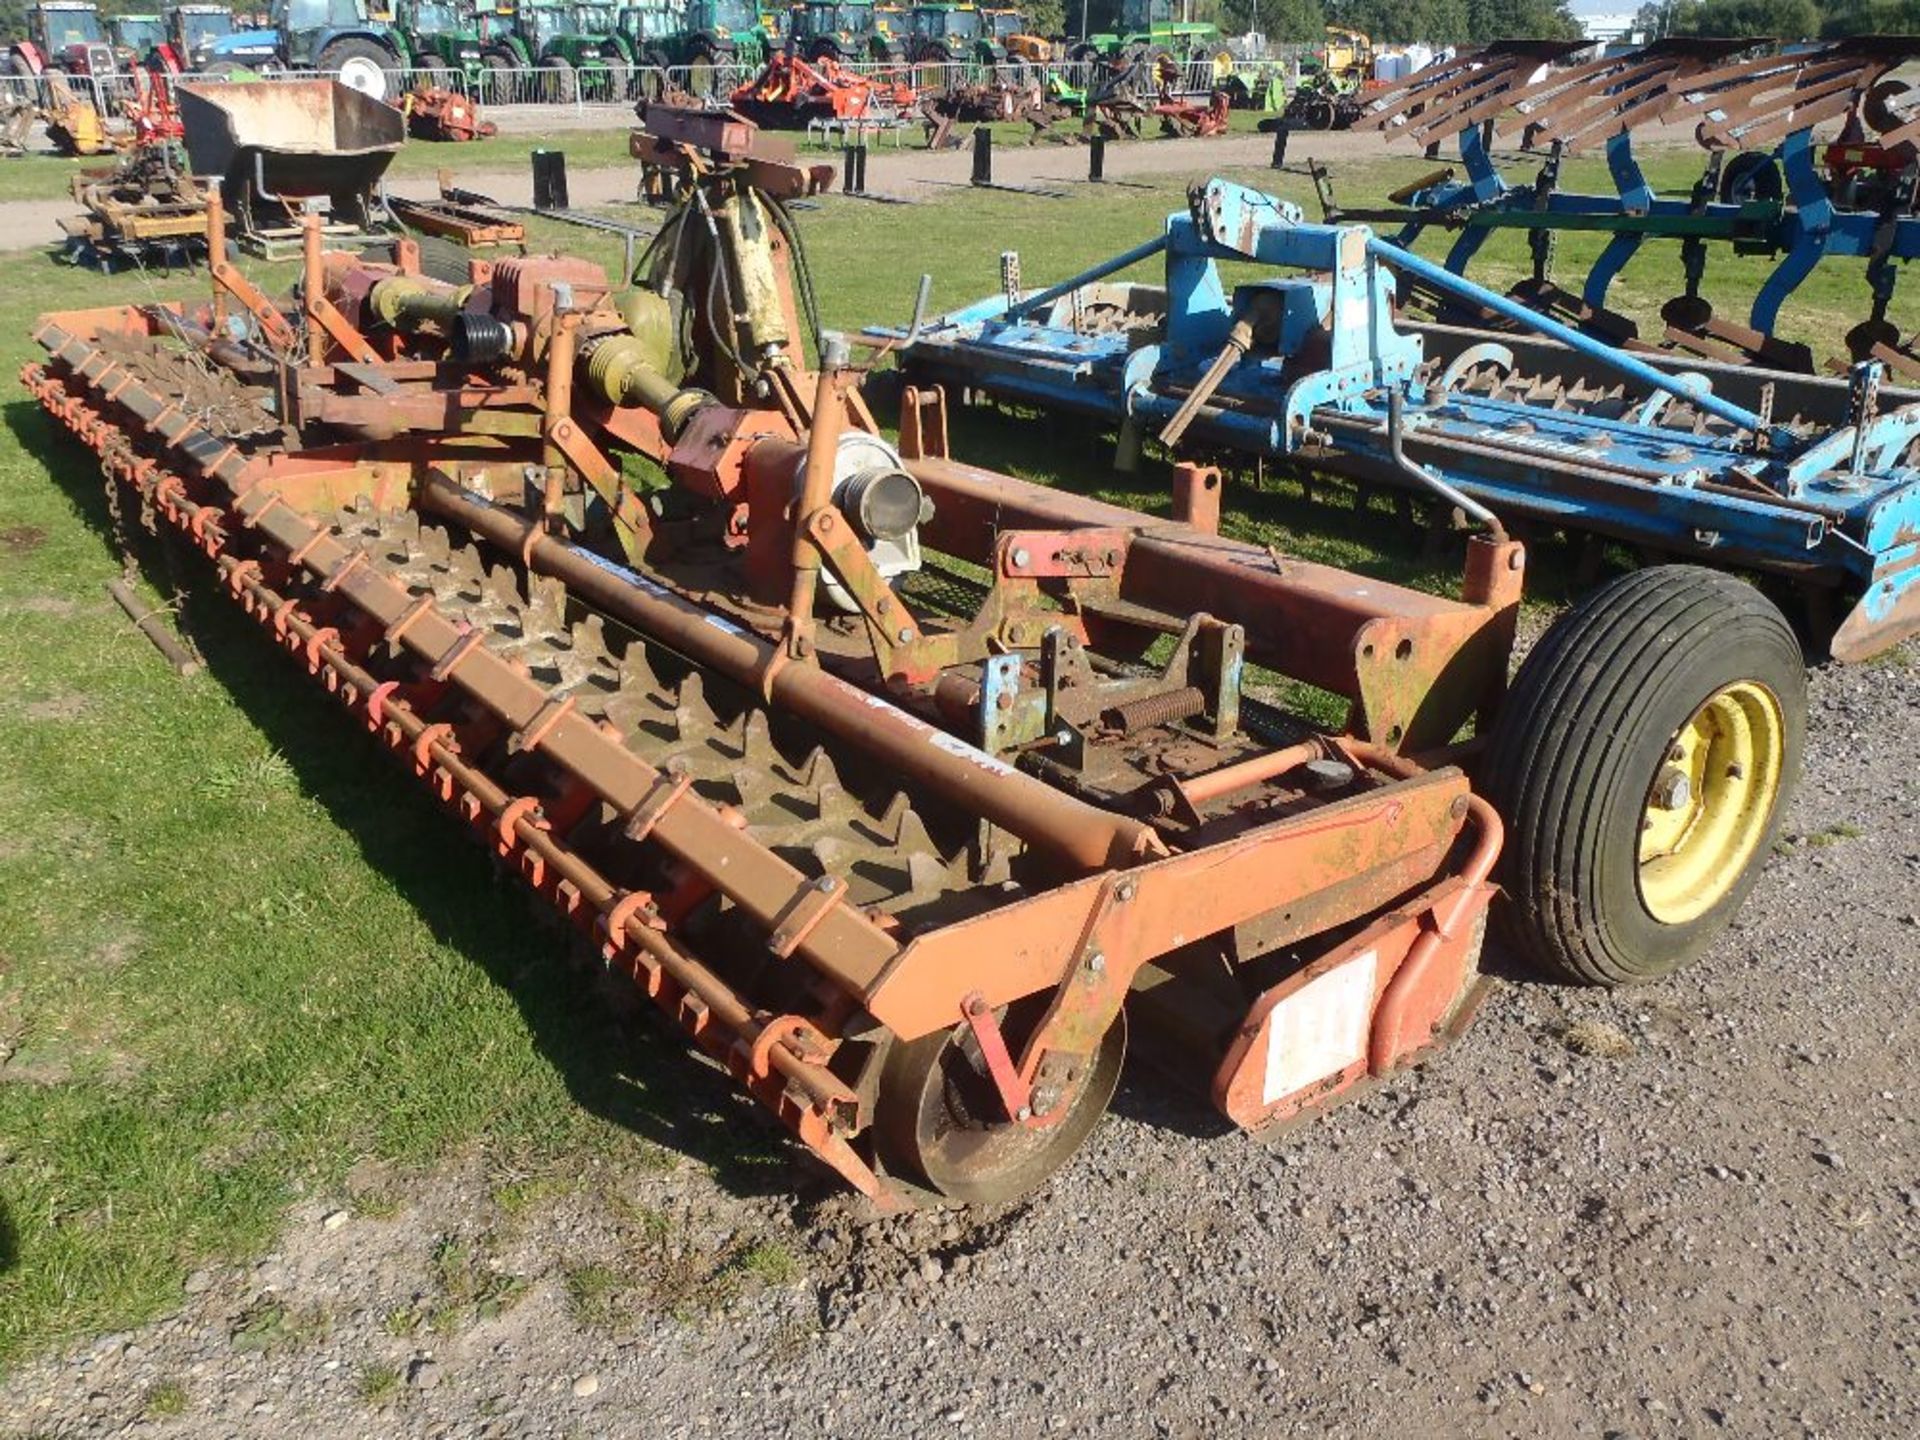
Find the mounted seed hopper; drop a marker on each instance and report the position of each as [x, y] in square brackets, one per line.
[887, 777]
[1813, 479]
[277, 148]
[1767, 188]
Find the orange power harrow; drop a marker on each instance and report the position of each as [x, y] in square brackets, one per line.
[903, 863]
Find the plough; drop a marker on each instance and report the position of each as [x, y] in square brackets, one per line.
[1810, 478]
[1768, 188]
[889, 778]
[943, 111]
[434, 113]
[789, 92]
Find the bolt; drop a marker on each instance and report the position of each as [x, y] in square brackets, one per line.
[824, 884]
[1020, 558]
[1045, 1100]
[1065, 737]
[903, 635]
[1096, 963]
[1124, 891]
[1023, 1114]
[1676, 755]
[1672, 790]
[824, 521]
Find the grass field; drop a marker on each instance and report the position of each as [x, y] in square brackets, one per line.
[239, 955]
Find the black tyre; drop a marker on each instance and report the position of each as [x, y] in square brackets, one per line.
[363, 65]
[497, 80]
[702, 67]
[563, 88]
[1643, 762]
[1751, 175]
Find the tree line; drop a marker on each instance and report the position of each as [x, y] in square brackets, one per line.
[1780, 19]
[1296, 22]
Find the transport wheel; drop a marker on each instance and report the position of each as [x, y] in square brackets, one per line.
[1643, 763]
[938, 1117]
[1751, 175]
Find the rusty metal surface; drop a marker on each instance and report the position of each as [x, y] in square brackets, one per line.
[1736, 98]
[826, 827]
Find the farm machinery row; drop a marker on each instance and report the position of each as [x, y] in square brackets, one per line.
[904, 787]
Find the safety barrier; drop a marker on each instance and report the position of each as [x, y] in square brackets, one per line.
[612, 86]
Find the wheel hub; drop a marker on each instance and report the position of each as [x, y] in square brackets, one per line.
[1710, 803]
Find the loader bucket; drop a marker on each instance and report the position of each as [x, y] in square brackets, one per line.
[290, 142]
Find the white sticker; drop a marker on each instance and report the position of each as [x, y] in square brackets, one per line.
[1321, 1028]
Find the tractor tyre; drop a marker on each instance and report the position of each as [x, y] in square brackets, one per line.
[363, 65]
[434, 75]
[1643, 762]
[563, 88]
[497, 79]
[702, 66]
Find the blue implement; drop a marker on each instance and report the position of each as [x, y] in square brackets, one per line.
[1806, 477]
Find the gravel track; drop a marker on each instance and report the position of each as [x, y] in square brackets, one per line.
[1687, 1210]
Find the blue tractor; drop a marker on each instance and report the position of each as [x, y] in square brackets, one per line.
[331, 37]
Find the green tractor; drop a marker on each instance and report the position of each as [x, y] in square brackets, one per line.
[441, 39]
[943, 34]
[1151, 33]
[573, 45]
[840, 30]
[704, 37]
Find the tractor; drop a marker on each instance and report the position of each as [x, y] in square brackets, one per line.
[335, 37]
[943, 34]
[187, 45]
[840, 30]
[1008, 37]
[1151, 32]
[441, 39]
[574, 44]
[64, 36]
[704, 36]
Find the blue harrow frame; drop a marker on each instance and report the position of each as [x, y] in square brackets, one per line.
[1311, 369]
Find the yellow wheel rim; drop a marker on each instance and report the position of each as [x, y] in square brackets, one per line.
[1709, 804]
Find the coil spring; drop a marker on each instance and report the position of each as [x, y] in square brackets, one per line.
[1151, 710]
